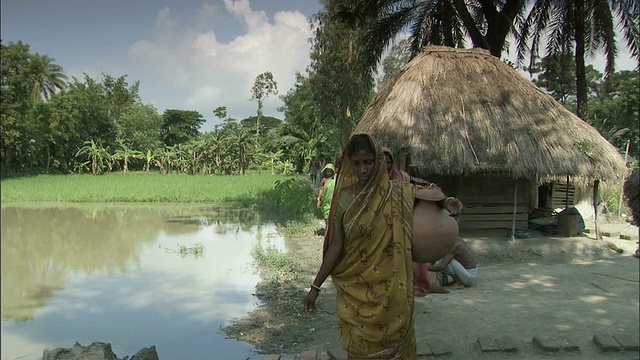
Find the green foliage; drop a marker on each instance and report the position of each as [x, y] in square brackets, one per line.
[46, 77]
[96, 155]
[302, 136]
[609, 200]
[197, 250]
[263, 86]
[119, 95]
[615, 112]
[341, 85]
[180, 126]
[267, 123]
[613, 101]
[579, 28]
[398, 57]
[139, 125]
[289, 200]
[282, 267]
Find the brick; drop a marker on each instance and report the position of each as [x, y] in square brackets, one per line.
[606, 343]
[337, 353]
[545, 343]
[488, 344]
[628, 342]
[288, 357]
[308, 355]
[424, 350]
[438, 347]
[506, 344]
[272, 357]
[610, 233]
[567, 345]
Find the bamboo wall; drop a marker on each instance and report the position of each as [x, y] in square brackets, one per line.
[488, 200]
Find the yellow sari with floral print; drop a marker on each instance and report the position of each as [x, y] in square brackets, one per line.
[373, 278]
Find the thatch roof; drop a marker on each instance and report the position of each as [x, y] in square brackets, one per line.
[463, 111]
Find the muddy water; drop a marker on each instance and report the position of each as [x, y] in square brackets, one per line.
[114, 274]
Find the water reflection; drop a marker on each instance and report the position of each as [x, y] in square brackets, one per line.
[103, 274]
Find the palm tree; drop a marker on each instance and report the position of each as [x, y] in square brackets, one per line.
[580, 27]
[47, 77]
[430, 22]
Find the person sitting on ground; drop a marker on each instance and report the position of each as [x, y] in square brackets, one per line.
[459, 264]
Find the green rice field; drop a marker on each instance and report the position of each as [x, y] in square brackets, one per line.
[137, 187]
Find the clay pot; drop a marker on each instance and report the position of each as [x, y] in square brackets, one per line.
[434, 231]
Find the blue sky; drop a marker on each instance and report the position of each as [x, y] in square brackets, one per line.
[190, 55]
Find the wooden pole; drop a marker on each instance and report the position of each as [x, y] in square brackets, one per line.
[515, 208]
[596, 183]
[626, 155]
[566, 195]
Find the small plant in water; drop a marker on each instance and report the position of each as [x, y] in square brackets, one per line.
[197, 250]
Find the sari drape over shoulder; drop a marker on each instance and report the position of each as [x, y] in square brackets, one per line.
[421, 283]
[373, 277]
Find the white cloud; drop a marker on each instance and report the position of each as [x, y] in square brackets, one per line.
[201, 72]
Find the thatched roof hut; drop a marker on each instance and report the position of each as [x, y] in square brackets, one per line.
[489, 136]
[463, 111]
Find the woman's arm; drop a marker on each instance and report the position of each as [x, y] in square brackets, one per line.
[330, 259]
[443, 265]
[319, 197]
[329, 262]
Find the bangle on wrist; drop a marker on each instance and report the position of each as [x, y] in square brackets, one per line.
[316, 287]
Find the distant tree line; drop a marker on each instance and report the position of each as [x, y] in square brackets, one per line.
[50, 124]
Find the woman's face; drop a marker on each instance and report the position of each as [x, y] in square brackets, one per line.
[328, 172]
[363, 163]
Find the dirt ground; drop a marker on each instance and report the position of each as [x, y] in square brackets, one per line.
[540, 286]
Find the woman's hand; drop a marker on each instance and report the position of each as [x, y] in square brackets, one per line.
[453, 205]
[310, 300]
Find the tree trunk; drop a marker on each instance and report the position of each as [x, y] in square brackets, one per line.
[49, 156]
[258, 118]
[581, 77]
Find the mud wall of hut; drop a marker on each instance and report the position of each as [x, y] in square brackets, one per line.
[489, 200]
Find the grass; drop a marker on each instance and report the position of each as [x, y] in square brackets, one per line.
[287, 201]
[277, 267]
[137, 187]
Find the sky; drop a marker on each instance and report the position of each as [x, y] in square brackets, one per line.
[187, 54]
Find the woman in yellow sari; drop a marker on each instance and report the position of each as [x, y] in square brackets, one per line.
[367, 252]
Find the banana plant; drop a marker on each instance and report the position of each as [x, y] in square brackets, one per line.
[124, 153]
[149, 158]
[96, 154]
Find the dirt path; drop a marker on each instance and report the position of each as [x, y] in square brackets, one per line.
[541, 286]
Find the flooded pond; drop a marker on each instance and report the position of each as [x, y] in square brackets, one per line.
[115, 274]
